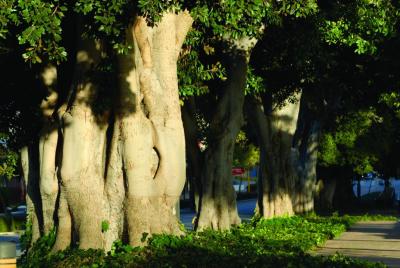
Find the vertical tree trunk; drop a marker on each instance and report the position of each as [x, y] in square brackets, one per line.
[30, 172]
[218, 199]
[306, 184]
[325, 191]
[128, 175]
[83, 151]
[288, 138]
[194, 156]
[149, 121]
[306, 140]
[278, 158]
[114, 191]
[48, 140]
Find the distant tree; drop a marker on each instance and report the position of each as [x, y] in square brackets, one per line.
[327, 69]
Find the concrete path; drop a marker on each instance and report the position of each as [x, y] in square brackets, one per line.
[372, 241]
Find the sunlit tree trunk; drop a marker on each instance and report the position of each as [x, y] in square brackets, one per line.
[83, 151]
[48, 141]
[105, 180]
[217, 208]
[288, 137]
[150, 133]
[278, 158]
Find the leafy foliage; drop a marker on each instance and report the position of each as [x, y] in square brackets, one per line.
[341, 146]
[8, 159]
[39, 252]
[246, 154]
[392, 100]
[194, 71]
[40, 28]
[361, 24]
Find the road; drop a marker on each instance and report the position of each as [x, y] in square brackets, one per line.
[245, 209]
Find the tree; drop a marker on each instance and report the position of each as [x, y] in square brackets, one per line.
[104, 156]
[329, 48]
[240, 31]
[108, 158]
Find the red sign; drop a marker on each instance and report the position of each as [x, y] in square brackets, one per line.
[237, 171]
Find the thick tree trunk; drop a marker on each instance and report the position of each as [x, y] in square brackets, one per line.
[325, 191]
[48, 140]
[288, 138]
[114, 192]
[218, 199]
[305, 189]
[306, 140]
[193, 152]
[30, 172]
[123, 178]
[83, 152]
[278, 157]
[151, 136]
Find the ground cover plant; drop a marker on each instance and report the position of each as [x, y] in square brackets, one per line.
[278, 242]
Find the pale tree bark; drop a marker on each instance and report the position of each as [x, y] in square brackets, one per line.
[123, 178]
[278, 159]
[306, 141]
[114, 190]
[217, 208]
[150, 131]
[288, 137]
[30, 172]
[48, 140]
[39, 162]
[83, 154]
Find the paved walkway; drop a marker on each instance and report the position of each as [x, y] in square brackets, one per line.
[372, 241]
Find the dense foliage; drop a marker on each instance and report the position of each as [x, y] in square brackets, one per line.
[280, 242]
[246, 154]
[8, 159]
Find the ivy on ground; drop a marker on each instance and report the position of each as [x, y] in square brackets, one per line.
[279, 242]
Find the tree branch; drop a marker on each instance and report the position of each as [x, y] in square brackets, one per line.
[142, 33]
[183, 23]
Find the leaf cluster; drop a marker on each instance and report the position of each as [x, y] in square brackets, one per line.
[8, 159]
[360, 24]
[37, 27]
[245, 154]
[342, 146]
